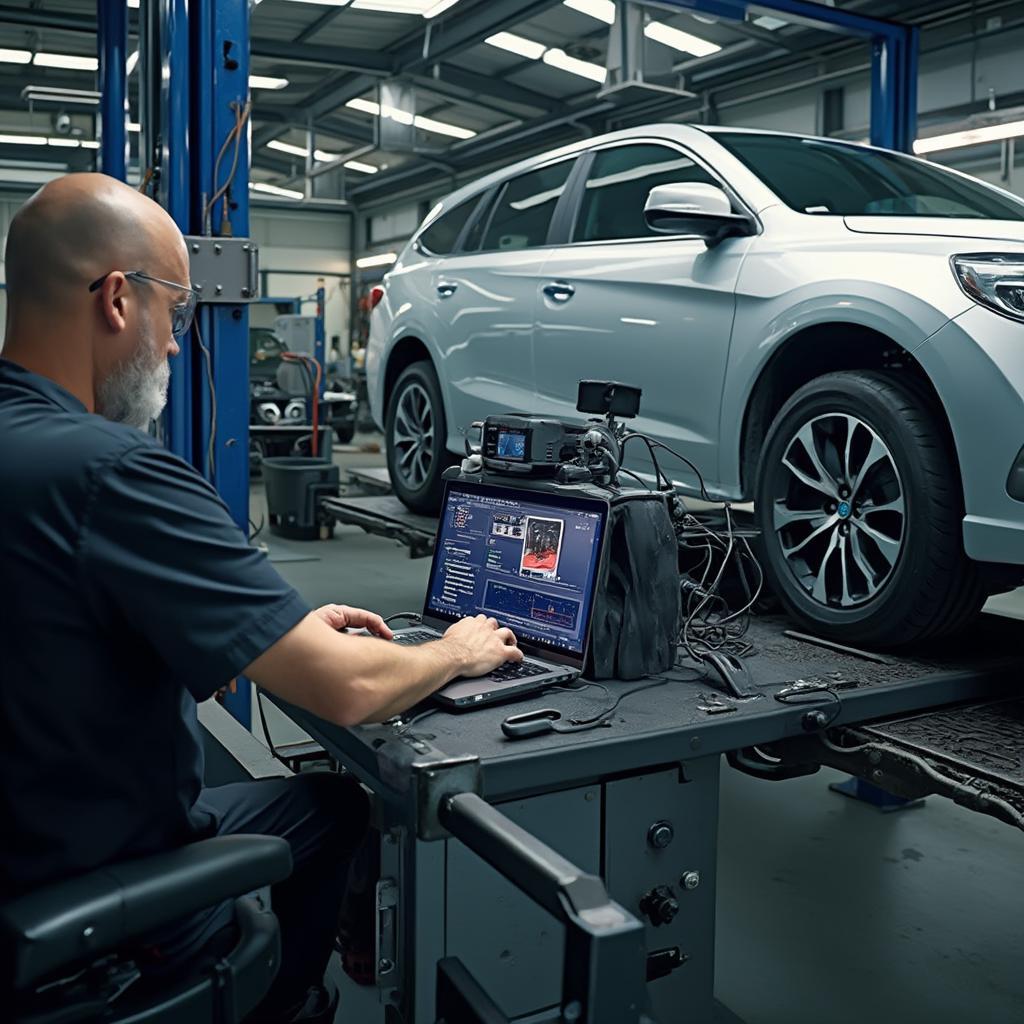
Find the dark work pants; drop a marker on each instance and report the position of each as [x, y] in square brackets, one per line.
[324, 817]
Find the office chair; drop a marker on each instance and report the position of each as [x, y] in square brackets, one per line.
[65, 947]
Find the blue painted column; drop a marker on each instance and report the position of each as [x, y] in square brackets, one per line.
[175, 195]
[112, 43]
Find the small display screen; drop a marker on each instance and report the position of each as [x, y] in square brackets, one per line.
[511, 444]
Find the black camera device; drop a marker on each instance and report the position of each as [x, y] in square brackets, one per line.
[526, 445]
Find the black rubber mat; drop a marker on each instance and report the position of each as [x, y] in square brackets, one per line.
[983, 739]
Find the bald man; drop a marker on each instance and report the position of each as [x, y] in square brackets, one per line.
[127, 594]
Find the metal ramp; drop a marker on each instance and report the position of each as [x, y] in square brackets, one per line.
[384, 516]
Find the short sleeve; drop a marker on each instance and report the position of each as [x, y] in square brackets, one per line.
[159, 544]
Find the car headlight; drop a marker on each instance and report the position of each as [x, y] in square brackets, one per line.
[993, 279]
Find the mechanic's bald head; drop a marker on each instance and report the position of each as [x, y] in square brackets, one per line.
[109, 345]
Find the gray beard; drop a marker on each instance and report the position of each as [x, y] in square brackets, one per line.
[136, 392]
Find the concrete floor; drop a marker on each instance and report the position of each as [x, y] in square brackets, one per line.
[829, 912]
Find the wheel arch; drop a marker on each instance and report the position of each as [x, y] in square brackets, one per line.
[809, 353]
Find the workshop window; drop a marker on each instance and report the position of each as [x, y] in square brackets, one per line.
[439, 239]
[525, 207]
[617, 186]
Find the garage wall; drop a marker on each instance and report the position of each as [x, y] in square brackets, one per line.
[313, 243]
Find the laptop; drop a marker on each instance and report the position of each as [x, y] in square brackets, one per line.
[526, 558]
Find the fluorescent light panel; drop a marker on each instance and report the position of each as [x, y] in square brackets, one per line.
[679, 40]
[382, 259]
[603, 10]
[516, 44]
[67, 61]
[439, 8]
[274, 190]
[287, 147]
[131, 63]
[358, 165]
[970, 137]
[266, 82]
[428, 124]
[60, 142]
[560, 59]
[15, 57]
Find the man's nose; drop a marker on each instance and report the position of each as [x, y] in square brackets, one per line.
[175, 348]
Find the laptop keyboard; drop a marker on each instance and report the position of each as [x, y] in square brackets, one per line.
[416, 636]
[503, 674]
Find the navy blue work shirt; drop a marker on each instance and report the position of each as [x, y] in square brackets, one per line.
[127, 594]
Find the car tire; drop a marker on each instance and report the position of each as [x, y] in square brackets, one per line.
[862, 540]
[415, 433]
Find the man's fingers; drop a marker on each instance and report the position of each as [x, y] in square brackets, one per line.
[376, 625]
[493, 622]
[507, 637]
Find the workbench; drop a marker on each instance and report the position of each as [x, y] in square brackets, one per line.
[636, 802]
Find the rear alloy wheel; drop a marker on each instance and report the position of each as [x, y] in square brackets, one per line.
[860, 508]
[416, 438]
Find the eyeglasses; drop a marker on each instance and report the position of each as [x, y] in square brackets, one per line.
[181, 314]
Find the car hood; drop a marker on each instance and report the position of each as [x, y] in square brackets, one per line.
[946, 227]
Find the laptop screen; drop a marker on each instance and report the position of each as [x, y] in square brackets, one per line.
[527, 558]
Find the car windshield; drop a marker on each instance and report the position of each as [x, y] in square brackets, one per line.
[820, 177]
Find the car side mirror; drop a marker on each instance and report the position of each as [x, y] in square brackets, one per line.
[694, 208]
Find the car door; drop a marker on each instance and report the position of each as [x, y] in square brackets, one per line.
[619, 302]
[487, 297]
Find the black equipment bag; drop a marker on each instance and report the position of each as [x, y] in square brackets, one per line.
[635, 627]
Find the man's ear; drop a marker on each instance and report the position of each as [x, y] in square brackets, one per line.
[114, 300]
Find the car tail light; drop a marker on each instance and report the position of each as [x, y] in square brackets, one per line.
[376, 294]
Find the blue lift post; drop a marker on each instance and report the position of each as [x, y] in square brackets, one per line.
[320, 338]
[112, 44]
[204, 88]
[894, 50]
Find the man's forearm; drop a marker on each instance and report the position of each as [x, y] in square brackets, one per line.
[417, 672]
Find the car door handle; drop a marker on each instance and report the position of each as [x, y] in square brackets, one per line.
[446, 289]
[559, 291]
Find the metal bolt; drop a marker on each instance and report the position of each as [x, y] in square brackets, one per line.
[815, 720]
[218, 248]
[690, 880]
[246, 292]
[874, 756]
[385, 966]
[198, 287]
[877, 774]
[572, 1012]
[833, 507]
[695, 743]
[87, 934]
[195, 247]
[660, 834]
[219, 290]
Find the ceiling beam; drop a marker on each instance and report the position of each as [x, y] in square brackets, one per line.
[374, 62]
[467, 85]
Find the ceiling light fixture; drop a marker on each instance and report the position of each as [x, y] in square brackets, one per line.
[560, 59]
[382, 259]
[68, 61]
[439, 8]
[131, 63]
[287, 147]
[15, 57]
[516, 44]
[274, 190]
[358, 165]
[395, 6]
[970, 137]
[679, 40]
[34, 94]
[266, 82]
[428, 124]
[603, 10]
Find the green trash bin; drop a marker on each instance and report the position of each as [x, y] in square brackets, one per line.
[295, 485]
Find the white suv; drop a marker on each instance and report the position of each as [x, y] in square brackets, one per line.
[832, 330]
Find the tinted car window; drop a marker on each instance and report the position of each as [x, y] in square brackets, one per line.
[525, 206]
[617, 185]
[441, 236]
[818, 176]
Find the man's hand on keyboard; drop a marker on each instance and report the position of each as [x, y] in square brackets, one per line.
[482, 645]
[340, 616]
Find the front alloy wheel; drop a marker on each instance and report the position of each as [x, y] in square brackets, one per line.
[860, 508]
[841, 517]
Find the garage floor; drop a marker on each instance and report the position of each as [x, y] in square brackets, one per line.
[829, 911]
